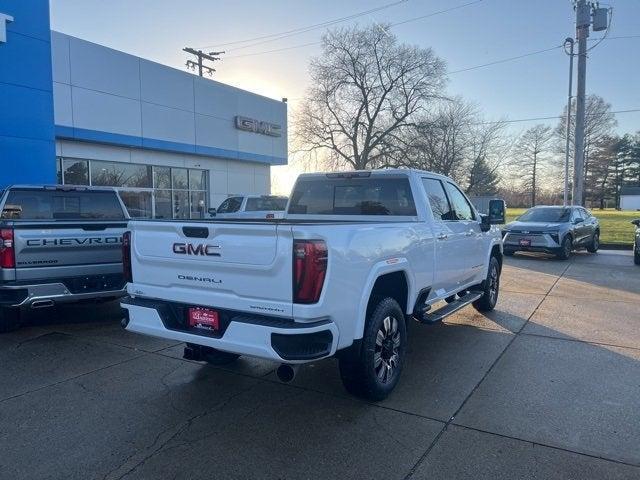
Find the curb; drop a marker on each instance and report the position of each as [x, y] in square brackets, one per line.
[616, 246]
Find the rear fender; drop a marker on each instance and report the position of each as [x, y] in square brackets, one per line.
[382, 268]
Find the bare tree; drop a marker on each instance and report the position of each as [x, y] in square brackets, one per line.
[531, 150]
[488, 149]
[599, 124]
[441, 140]
[367, 88]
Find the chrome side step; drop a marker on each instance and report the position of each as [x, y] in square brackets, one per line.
[424, 316]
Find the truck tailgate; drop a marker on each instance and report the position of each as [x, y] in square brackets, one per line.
[236, 265]
[64, 249]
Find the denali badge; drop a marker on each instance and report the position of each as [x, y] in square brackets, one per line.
[194, 278]
[199, 249]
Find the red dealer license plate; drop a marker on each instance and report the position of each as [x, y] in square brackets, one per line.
[204, 318]
[525, 242]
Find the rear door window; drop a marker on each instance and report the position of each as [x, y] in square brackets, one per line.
[353, 196]
[440, 206]
[62, 205]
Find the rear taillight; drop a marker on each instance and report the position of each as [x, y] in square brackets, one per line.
[7, 251]
[126, 257]
[309, 269]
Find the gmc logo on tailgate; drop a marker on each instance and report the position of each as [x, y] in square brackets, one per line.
[199, 249]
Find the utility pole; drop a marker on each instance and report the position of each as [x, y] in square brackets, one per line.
[587, 13]
[569, 41]
[201, 56]
[583, 22]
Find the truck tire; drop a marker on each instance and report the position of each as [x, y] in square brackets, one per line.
[490, 287]
[9, 320]
[564, 252]
[594, 244]
[371, 368]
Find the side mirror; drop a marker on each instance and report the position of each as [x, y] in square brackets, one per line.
[212, 212]
[497, 212]
[636, 222]
[578, 220]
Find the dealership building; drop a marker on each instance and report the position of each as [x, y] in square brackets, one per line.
[172, 143]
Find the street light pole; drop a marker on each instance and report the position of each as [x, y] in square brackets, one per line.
[570, 42]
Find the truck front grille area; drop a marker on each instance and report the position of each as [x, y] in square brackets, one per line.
[94, 283]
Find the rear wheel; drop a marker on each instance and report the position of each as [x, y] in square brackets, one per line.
[9, 320]
[490, 288]
[594, 244]
[372, 368]
[565, 249]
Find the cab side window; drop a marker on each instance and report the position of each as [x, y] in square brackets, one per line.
[230, 205]
[438, 200]
[575, 215]
[461, 206]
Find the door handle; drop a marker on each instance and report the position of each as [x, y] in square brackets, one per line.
[443, 236]
[469, 233]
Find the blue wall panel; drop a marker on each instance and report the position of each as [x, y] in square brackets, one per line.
[27, 146]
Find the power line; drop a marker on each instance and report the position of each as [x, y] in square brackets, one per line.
[504, 60]
[421, 17]
[554, 117]
[297, 31]
[414, 19]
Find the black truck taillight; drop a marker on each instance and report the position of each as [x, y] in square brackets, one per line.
[7, 250]
[309, 269]
[126, 257]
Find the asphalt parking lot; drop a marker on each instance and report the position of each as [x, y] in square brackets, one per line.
[546, 386]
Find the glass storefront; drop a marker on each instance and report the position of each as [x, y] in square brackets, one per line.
[147, 191]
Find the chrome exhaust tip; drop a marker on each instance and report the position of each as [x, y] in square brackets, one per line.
[286, 373]
[42, 304]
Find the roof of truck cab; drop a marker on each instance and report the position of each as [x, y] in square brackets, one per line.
[380, 172]
[64, 188]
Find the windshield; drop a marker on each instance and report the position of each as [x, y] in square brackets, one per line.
[266, 204]
[553, 215]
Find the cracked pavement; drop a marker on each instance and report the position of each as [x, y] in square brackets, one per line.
[546, 386]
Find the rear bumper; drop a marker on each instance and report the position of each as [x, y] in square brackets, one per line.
[27, 295]
[270, 338]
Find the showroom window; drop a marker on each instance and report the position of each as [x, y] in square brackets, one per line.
[147, 191]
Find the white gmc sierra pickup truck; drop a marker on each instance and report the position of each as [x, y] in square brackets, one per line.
[357, 256]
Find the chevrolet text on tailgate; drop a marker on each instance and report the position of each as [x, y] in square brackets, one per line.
[58, 244]
[356, 256]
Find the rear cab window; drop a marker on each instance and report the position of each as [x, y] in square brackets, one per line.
[26, 204]
[353, 196]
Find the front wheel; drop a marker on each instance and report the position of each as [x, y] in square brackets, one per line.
[565, 249]
[636, 255]
[490, 288]
[594, 245]
[372, 369]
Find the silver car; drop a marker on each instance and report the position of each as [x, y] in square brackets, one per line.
[552, 229]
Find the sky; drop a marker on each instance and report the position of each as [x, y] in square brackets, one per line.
[479, 32]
